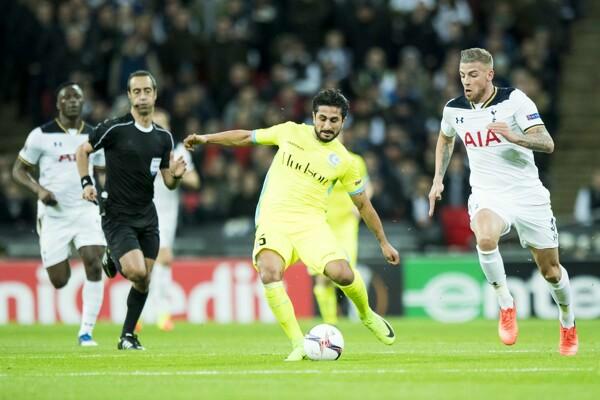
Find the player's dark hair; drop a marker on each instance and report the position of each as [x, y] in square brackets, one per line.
[332, 98]
[141, 72]
[64, 85]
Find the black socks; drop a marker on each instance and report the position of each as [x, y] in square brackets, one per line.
[135, 305]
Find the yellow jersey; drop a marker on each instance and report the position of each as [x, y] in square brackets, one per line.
[302, 174]
[340, 205]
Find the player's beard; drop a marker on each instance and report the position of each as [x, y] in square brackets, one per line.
[328, 139]
[476, 95]
[470, 95]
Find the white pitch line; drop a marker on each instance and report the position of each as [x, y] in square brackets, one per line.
[100, 355]
[460, 351]
[159, 355]
[302, 372]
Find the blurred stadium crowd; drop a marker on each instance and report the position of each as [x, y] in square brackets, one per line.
[225, 64]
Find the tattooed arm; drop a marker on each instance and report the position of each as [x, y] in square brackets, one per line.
[443, 154]
[535, 138]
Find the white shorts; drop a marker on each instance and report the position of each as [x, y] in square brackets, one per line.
[167, 226]
[58, 232]
[530, 213]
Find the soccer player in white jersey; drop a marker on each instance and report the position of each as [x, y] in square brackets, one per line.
[167, 208]
[500, 128]
[63, 217]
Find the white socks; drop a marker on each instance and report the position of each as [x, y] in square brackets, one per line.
[163, 279]
[92, 295]
[493, 269]
[561, 293]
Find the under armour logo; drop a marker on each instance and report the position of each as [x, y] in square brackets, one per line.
[57, 144]
[460, 120]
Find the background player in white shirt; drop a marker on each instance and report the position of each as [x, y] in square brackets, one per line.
[501, 127]
[63, 216]
[167, 208]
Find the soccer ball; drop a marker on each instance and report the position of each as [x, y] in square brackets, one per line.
[324, 343]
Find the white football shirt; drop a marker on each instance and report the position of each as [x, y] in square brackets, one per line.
[167, 201]
[52, 148]
[496, 164]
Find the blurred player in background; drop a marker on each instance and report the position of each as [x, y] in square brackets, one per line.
[344, 220]
[63, 217]
[291, 214]
[167, 208]
[136, 150]
[501, 127]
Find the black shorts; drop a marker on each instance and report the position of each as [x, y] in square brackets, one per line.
[124, 234]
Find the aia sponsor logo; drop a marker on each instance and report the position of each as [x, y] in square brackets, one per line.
[478, 139]
[67, 157]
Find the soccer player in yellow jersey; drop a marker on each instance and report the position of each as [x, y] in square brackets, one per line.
[291, 221]
[344, 220]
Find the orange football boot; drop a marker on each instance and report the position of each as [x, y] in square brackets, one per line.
[569, 344]
[507, 325]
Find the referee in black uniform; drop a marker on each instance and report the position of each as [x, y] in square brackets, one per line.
[136, 149]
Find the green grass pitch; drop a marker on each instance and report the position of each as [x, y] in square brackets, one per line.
[428, 361]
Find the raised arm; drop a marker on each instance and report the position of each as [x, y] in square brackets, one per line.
[443, 154]
[237, 137]
[23, 174]
[369, 215]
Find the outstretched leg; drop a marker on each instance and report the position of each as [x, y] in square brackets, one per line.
[560, 288]
[353, 286]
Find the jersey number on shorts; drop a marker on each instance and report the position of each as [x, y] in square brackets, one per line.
[262, 240]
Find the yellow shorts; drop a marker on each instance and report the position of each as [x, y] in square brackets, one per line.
[314, 244]
[346, 232]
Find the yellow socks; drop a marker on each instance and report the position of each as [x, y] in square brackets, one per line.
[357, 292]
[283, 309]
[327, 301]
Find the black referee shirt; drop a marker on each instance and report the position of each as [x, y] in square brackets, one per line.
[134, 155]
